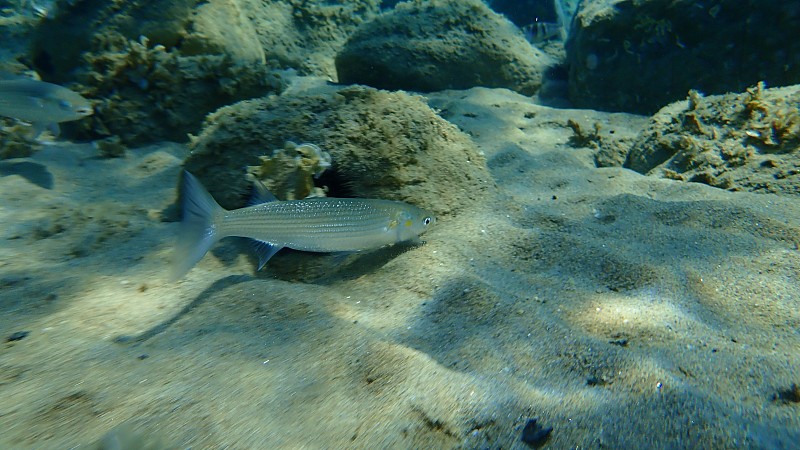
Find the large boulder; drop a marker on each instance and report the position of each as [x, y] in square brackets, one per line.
[637, 56]
[387, 145]
[434, 45]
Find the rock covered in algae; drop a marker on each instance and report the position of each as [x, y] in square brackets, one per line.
[302, 34]
[748, 141]
[15, 140]
[157, 68]
[387, 145]
[441, 44]
[143, 92]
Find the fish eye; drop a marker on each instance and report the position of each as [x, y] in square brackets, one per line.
[427, 221]
[63, 104]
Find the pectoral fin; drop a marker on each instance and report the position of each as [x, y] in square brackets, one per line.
[260, 194]
[40, 127]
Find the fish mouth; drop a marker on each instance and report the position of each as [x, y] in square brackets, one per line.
[87, 111]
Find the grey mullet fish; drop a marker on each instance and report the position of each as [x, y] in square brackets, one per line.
[313, 225]
[42, 104]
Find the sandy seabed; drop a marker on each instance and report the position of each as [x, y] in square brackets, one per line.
[621, 310]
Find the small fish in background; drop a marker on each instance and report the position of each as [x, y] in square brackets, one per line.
[43, 9]
[320, 224]
[538, 32]
[43, 105]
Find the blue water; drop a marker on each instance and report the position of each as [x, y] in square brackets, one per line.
[562, 299]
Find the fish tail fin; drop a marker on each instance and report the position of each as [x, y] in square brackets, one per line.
[199, 229]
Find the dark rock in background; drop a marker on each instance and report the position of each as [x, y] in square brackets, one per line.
[441, 44]
[637, 56]
[524, 12]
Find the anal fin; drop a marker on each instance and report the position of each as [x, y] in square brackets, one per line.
[264, 251]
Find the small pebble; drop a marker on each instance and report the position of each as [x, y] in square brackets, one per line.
[18, 336]
[593, 381]
[790, 395]
[620, 342]
[534, 435]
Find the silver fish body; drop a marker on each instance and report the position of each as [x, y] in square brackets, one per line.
[42, 104]
[326, 224]
[314, 225]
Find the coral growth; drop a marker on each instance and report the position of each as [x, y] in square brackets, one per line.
[289, 173]
[747, 141]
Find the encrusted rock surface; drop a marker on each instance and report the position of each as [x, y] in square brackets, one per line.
[748, 141]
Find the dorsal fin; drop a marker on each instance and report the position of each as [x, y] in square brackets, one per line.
[261, 194]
